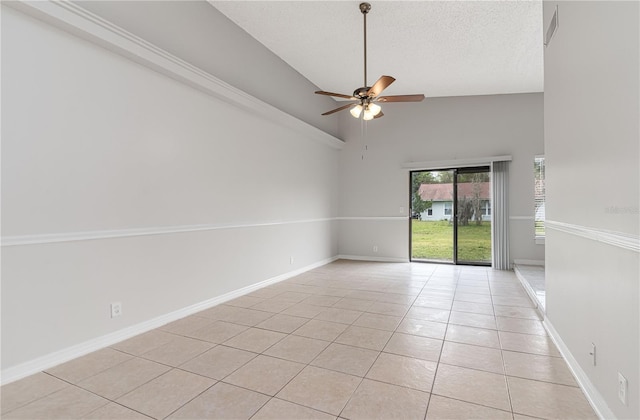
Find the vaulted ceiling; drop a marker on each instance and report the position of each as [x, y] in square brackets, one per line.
[439, 48]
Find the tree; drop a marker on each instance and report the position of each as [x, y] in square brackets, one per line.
[445, 177]
[418, 205]
[470, 208]
[477, 180]
[465, 210]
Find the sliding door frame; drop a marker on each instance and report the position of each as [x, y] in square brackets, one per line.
[462, 171]
[454, 213]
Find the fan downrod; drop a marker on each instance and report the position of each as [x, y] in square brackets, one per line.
[365, 8]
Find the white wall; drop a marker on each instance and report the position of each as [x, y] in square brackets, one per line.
[198, 33]
[374, 187]
[93, 142]
[592, 168]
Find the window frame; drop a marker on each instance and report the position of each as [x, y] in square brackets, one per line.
[486, 207]
[450, 208]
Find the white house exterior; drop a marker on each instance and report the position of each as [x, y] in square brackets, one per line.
[441, 196]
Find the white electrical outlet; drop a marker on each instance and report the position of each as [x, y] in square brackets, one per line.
[291, 260]
[592, 353]
[116, 309]
[622, 388]
[401, 210]
[375, 248]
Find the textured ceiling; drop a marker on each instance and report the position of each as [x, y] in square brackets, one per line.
[439, 48]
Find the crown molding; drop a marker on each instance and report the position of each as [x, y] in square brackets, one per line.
[73, 18]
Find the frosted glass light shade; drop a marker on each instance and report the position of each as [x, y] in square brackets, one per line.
[356, 110]
[375, 109]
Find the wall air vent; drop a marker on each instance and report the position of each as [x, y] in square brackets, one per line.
[551, 30]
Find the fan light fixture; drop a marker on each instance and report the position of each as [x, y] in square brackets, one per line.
[374, 109]
[356, 110]
[366, 95]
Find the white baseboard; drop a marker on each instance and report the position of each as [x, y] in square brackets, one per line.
[529, 262]
[594, 397]
[39, 364]
[369, 258]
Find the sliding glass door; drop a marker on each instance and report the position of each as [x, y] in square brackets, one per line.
[451, 216]
[473, 216]
[432, 216]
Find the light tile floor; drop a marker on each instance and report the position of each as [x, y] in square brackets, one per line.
[352, 340]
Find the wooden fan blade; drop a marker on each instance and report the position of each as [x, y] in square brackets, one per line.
[381, 84]
[339, 95]
[401, 98]
[380, 115]
[339, 109]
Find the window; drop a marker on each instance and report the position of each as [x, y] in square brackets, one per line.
[486, 208]
[539, 198]
[429, 212]
[447, 208]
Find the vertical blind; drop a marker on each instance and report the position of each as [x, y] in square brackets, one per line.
[539, 195]
[500, 224]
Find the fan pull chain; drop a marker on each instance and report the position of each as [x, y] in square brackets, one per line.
[362, 138]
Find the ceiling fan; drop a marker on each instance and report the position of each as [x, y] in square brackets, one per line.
[366, 96]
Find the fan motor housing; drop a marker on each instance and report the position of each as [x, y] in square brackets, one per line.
[362, 92]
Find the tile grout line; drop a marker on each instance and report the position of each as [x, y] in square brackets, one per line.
[504, 365]
[271, 397]
[305, 364]
[378, 356]
[444, 338]
[109, 400]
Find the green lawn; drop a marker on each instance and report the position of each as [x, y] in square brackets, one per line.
[434, 241]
